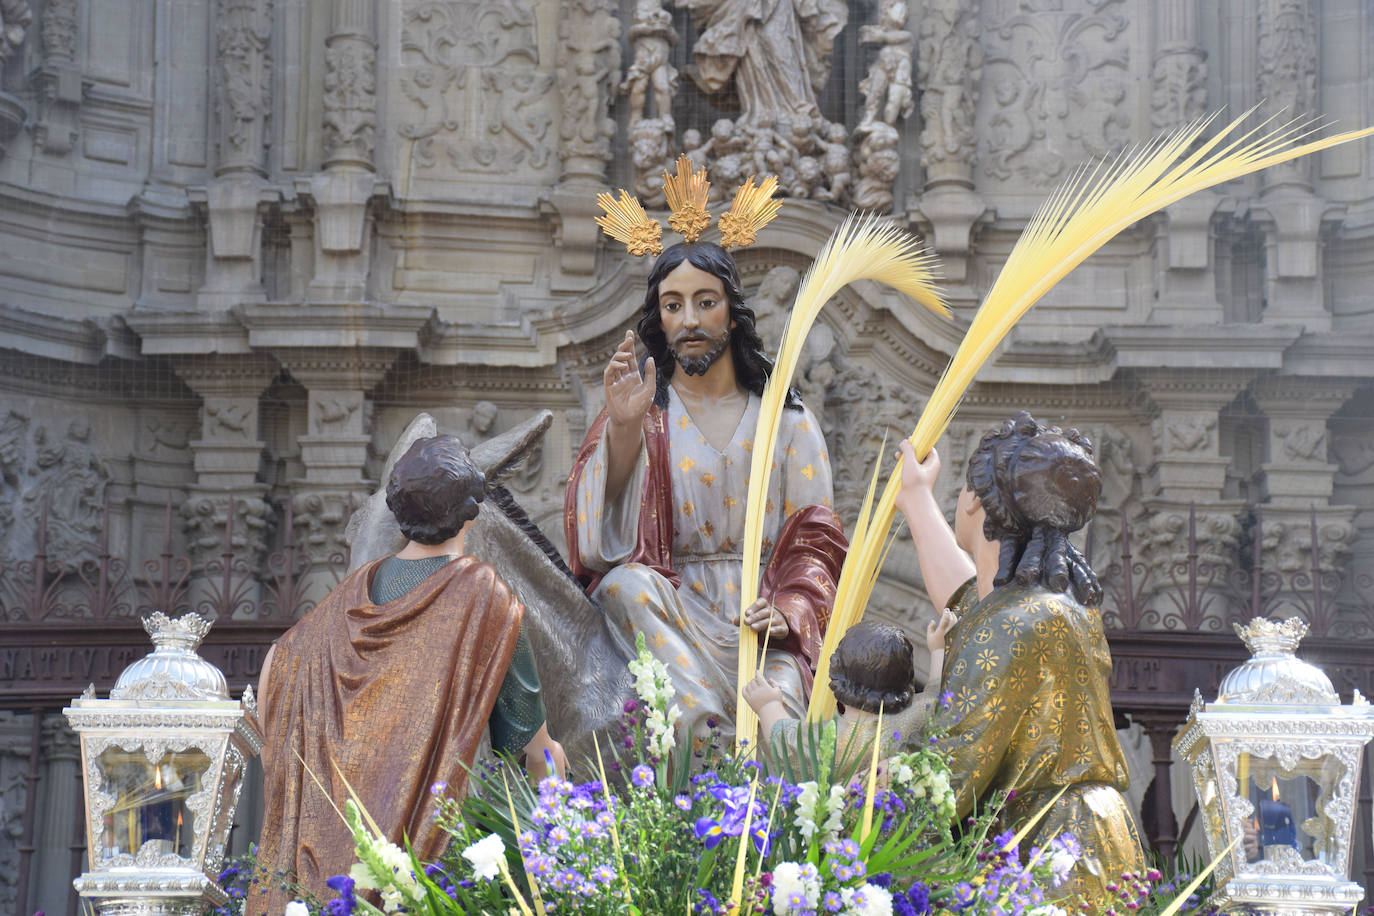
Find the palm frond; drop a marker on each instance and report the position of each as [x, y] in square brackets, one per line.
[1095, 204]
[862, 248]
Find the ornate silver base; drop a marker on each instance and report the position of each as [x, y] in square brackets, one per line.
[163, 892]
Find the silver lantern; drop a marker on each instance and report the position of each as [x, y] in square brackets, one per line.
[163, 762]
[1276, 764]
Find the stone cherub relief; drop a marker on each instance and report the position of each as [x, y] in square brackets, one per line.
[888, 99]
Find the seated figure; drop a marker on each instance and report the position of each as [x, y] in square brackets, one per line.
[393, 683]
[655, 504]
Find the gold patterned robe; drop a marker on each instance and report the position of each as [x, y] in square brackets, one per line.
[1028, 670]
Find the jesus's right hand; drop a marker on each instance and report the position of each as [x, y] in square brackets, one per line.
[628, 394]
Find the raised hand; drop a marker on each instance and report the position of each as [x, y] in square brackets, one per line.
[628, 394]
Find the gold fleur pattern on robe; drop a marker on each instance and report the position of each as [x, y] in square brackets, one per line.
[1028, 671]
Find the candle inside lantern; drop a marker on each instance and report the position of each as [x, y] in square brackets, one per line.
[1277, 827]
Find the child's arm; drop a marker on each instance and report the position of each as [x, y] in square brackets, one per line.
[765, 698]
[935, 642]
[944, 566]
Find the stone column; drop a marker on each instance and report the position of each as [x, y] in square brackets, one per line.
[226, 458]
[1178, 96]
[1183, 495]
[949, 72]
[233, 198]
[588, 70]
[1291, 213]
[342, 192]
[61, 805]
[335, 450]
[1297, 477]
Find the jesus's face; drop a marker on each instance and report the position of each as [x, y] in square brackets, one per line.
[695, 316]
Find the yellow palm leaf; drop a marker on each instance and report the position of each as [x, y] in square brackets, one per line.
[862, 248]
[1087, 211]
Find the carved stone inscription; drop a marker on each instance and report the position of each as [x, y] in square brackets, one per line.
[476, 98]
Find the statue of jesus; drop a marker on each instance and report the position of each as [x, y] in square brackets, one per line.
[655, 504]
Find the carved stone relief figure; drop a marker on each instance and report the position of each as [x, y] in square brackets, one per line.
[772, 304]
[58, 79]
[950, 70]
[589, 58]
[651, 151]
[65, 482]
[887, 86]
[478, 98]
[242, 33]
[15, 19]
[1287, 61]
[879, 164]
[1060, 95]
[860, 409]
[776, 58]
[651, 74]
[350, 99]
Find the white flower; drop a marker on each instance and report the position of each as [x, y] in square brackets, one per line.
[792, 881]
[485, 856]
[869, 900]
[296, 908]
[1047, 909]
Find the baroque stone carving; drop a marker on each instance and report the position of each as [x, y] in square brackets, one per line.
[63, 491]
[205, 518]
[949, 73]
[1044, 119]
[319, 519]
[1301, 441]
[15, 19]
[350, 99]
[242, 35]
[1178, 88]
[473, 79]
[160, 435]
[879, 163]
[1287, 544]
[1189, 433]
[887, 86]
[651, 74]
[588, 59]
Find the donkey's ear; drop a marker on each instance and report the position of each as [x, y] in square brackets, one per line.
[500, 455]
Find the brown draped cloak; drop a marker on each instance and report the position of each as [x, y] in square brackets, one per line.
[802, 571]
[397, 695]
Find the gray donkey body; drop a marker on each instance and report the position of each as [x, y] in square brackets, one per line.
[582, 670]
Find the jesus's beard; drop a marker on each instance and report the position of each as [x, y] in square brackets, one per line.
[697, 365]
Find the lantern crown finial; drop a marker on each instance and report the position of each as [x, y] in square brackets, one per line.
[1263, 636]
[173, 670]
[1274, 675]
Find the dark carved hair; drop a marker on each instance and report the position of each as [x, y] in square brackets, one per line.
[1038, 485]
[434, 490]
[872, 668]
[752, 365]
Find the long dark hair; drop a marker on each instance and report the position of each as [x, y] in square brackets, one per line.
[1038, 485]
[752, 365]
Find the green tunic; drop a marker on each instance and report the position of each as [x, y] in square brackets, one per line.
[1031, 711]
[519, 710]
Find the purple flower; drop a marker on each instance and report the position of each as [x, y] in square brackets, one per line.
[631, 706]
[438, 788]
[709, 832]
[683, 802]
[345, 903]
[642, 776]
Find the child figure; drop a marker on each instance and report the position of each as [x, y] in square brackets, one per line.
[871, 669]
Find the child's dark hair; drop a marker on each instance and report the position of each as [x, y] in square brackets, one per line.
[872, 667]
[434, 490]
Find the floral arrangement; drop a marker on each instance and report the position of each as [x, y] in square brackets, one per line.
[695, 829]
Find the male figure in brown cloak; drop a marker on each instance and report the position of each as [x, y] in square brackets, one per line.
[395, 678]
[655, 505]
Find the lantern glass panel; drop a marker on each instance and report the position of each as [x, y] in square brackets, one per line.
[150, 802]
[1288, 816]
